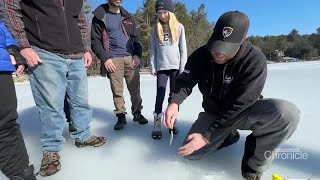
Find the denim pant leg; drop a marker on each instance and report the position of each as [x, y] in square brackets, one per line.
[48, 84]
[77, 90]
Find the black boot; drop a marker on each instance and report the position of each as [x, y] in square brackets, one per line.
[71, 126]
[138, 117]
[250, 174]
[232, 138]
[249, 148]
[121, 122]
[27, 174]
[66, 110]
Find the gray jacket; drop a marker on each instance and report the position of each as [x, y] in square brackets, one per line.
[168, 56]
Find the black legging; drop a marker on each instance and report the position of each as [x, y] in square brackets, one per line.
[162, 79]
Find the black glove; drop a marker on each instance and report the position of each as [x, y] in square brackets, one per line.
[15, 51]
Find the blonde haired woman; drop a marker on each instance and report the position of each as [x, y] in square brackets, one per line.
[168, 56]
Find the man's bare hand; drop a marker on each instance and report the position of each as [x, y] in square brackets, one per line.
[87, 57]
[110, 66]
[195, 142]
[31, 57]
[170, 115]
[135, 61]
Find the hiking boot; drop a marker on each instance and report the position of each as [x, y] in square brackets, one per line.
[27, 174]
[121, 122]
[156, 132]
[94, 141]
[250, 174]
[249, 148]
[71, 126]
[50, 164]
[138, 117]
[232, 138]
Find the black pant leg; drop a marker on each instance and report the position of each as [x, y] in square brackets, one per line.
[13, 154]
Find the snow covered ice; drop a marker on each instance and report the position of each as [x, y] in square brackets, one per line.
[133, 154]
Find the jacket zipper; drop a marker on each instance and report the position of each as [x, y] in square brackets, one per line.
[211, 88]
[223, 84]
[65, 21]
[39, 32]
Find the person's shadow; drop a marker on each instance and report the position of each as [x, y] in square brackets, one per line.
[226, 162]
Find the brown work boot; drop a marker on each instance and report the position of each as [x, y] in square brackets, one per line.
[50, 164]
[94, 141]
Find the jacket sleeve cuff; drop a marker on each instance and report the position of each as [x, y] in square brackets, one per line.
[23, 45]
[87, 49]
[137, 54]
[103, 58]
[153, 70]
[176, 101]
[207, 134]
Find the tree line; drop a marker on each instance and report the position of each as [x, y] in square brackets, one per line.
[276, 48]
[198, 30]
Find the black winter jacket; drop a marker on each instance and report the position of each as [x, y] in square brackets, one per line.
[227, 89]
[100, 38]
[53, 25]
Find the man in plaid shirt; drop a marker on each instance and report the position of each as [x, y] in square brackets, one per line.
[53, 38]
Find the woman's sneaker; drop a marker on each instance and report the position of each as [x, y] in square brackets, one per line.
[50, 164]
[94, 141]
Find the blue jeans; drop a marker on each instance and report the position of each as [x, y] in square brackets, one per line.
[49, 82]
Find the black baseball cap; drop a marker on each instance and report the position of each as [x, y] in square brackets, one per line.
[229, 32]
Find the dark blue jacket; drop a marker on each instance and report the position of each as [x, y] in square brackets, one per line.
[6, 40]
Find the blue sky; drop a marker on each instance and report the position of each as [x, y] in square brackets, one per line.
[268, 17]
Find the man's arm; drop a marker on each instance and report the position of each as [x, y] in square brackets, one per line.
[11, 15]
[183, 49]
[186, 80]
[137, 44]
[96, 40]
[153, 62]
[182, 89]
[83, 26]
[12, 47]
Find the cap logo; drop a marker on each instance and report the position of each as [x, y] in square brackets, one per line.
[227, 31]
